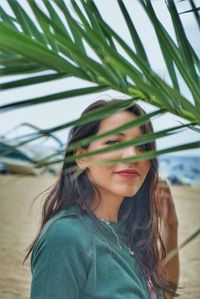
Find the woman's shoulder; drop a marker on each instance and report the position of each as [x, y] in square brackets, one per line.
[64, 236]
[66, 226]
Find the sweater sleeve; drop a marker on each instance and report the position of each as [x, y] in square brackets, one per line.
[60, 261]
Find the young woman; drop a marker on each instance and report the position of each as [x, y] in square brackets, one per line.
[106, 232]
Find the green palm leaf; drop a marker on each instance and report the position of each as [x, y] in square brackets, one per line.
[86, 119]
[143, 156]
[195, 10]
[53, 97]
[51, 46]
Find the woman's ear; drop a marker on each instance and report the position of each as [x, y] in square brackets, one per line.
[82, 162]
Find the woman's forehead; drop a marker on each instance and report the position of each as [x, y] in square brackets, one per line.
[117, 119]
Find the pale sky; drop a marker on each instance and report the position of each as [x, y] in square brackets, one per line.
[55, 113]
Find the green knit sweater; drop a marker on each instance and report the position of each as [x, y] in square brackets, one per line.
[72, 259]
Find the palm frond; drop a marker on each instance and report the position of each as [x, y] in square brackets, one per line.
[27, 47]
[195, 10]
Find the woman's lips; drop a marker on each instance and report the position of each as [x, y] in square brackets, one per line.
[128, 175]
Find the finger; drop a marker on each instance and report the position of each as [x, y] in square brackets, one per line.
[163, 184]
[162, 181]
[165, 189]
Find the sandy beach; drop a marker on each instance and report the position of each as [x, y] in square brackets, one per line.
[19, 222]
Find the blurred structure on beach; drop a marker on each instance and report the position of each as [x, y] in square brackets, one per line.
[24, 159]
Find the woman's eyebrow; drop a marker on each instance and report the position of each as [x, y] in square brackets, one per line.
[123, 134]
[114, 134]
[120, 134]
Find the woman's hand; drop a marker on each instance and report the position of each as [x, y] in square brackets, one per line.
[166, 206]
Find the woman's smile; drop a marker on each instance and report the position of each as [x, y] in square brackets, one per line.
[130, 173]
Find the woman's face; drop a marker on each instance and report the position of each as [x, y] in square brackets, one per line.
[104, 176]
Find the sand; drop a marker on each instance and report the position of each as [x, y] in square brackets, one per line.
[19, 223]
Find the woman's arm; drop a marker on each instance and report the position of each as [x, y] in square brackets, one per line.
[169, 230]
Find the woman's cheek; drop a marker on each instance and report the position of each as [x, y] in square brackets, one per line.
[106, 156]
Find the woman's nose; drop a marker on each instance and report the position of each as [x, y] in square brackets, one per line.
[130, 151]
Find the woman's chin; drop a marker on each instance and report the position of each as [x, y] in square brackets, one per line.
[128, 193]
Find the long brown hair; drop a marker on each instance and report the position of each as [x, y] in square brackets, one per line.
[139, 215]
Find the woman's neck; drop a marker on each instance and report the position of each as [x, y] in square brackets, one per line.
[108, 209]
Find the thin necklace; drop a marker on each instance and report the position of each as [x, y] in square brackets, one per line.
[149, 282]
[118, 240]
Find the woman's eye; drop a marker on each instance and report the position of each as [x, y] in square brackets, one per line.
[112, 141]
[142, 147]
